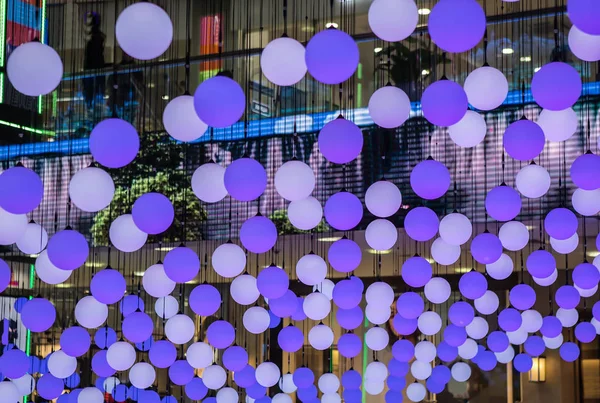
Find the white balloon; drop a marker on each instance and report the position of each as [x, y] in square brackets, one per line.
[586, 293]
[420, 370]
[282, 61]
[214, 377]
[181, 121]
[389, 107]
[437, 290]
[545, 282]
[568, 317]
[425, 351]
[142, 375]
[110, 384]
[25, 384]
[376, 371]
[320, 337]
[243, 289]
[380, 293]
[326, 287]
[227, 395]
[330, 398]
[125, 235]
[229, 260]
[305, 214]
[294, 180]
[583, 45]
[506, 356]
[558, 125]
[553, 343]
[486, 88]
[156, 282]
[565, 246]
[469, 131]
[514, 236]
[267, 374]
[34, 240]
[328, 383]
[286, 383]
[61, 365]
[478, 328]
[91, 189]
[256, 320]
[144, 31]
[166, 307]
[12, 227]
[416, 392]
[377, 338]
[9, 393]
[180, 329]
[533, 181]
[488, 303]
[455, 229]
[444, 253]
[383, 199]
[461, 372]
[311, 269]
[200, 355]
[34, 69]
[378, 314]
[90, 313]
[49, 273]
[429, 323]
[120, 356]
[596, 325]
[500, 269]
[517, 337]
[532, 320]
[316, 306]
[90, 395]
[381, 234]
[468, 349]
[586, 202]
[208, 182]
[393, 20]
[373, 387]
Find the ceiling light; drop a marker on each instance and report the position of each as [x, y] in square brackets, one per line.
[139, 274]
[425, 72]
[331, 25]
[462, 270]
[593, 253]
[330, 239]
[377, 50]
[381, 252]
[508, 51]
[165, 248]
[424, 11]
[165, 97]
[525, 59]
[536, 69]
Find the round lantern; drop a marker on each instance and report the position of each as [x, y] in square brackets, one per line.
[114, 143]
[437, 290]
[429, 323]
[393, 20]
[316, 306]
[108, 286]
[61, 365]
[503, 203]
[320, 337]
[125, 235]
[219, 101]
[389, 106]
[344, 255]
[514, 235]
[486, 248]
[468, 349]
[90, 395]
[586, 47]
[180, 329]
[522, 297]
[38, 314]
[531, 320]
[33, 240]
[568, 317]
[566, 246]
[523, 140]
[121, 356]
[153, 213]
[469, 131]
[545, 282]
[583, 171]
[457, 26]
[258, 234]
[200, 355]
[558, 125]
[381, 235]
[569, 352]
[416, 271]
[137, 327]
[214, 377]
[208, 182]
[584, 15]
[267, 374]
[243, 289]
[256, 320]
[556, 86]
[311, 269]
[294, 180]
[282, 61]
[228, 260]
[486, 88]
[461, 313]
[329, 48]
[305, 214]
[245, 179]
[166, 307]
[444, 103]
[510, 320]
[13, 227]
[68, 250]
[272, 282]
[22, 191]
[430, 179]
[455, 229]
[181, 264]
[421, 224]
[383, 199]
[444, 253]
[416, 392]
[410, 305]
[340, 141]
[533, 181]
[49, 273]
[540, 263]
[156, 282]
[561, 223]
[90, 313]
[144, 31]
[205, 300]
[142, 375]
[181, 121]
[586, 202]
[553, 343]
[420, 370]
[586, 276]
[34, 69]
[488, 303]
[343, 211]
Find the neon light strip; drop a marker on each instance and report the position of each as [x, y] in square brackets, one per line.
[364, 361]
[2, 44]
[28, 345]
[27, 129]
[43, 40]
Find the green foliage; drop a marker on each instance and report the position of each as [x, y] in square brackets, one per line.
[285, 227]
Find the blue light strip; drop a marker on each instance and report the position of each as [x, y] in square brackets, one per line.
[256, 128]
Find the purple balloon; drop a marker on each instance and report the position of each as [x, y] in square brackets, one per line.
[299, 314]
[75, 341]
[131, 303]
[162, 354]
[397, 368]
[68, 250]
[403, 350]
[503, 203]
[569, 352]
[444, 103]
[347, 294]
[585, 332]
[219, 101]
[430, 179]
[304, 377]
[349, 319]
[19, 302]
[596, 311]
[205, 300]
[331, 56]
[524, 140]
[245, 378]
[220, 334]
[49, 387]
[181, 264]
[73, 381]
[396, 383]
[457, 26]
[454, 335]
[290, 339]
[487, 361]
[133, 393]
[181, 373]
[245, 179]
[344, 255]
[108, 286]
[392, 396]
[340, 141]
[561, 223]
[556, 86]
[38, 315]
[421, 224]
[272, 282]
[305, 395]
[153, 213]
[416, 272]
[522, 297]
[5, 276]
[275, 320]
[461, 313]
[541, 264]
[258, 234]
[584, 172]
[343, 211]
[114, 143]
[119, 393]
[510, 320]
[145, 345]
[410, 305]
[534, 346]
[195, 389]
[351, 379]
[349, 345]
[586, 276]
[22, 190]
[567, 296]
[486, 248]
[551, 327]
[285, 306]
[100, 365]
[137, 327]
[472, 285]
[446, 352]
[441, 373]
[403, 326]
[256, 391]
[584, 14]
[14, 363]
[523, 363]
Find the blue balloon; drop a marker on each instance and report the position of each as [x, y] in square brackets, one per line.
[74, 395]
[397, 368]
[351, 379]
[105, 337]
[133, 393]
[396, 383]
[307, 394]
[120, 393]
[441, 374]
[434, 386]
[19, 302]
[446, 352]
[403, 350]
[393, 396]
[72, 381]
[569, 352]
[256, 391]
[522, 362]
[534, 346]
[145, 345]
[303, 377]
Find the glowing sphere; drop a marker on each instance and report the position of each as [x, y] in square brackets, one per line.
[568, 317]
[68, 250]
[420, 370]
[340, 141]
[540, 263]
[142, 375]
[586, 202]
[586, 276]
[311, 269]
[503, 203]
[180, 119]
[510, 320]
[114, 143]
[486, 248]
[498, 341]
[10, 393]
[272, 282]
[584, 14]
[214, 377]
[472, 285]
[554, 342]
[180, 329]
[49, 273]
[200, 355]
[219, 101]
[567, 246]
[25, 384]
[282, 61]
[403, 350]
[328, 383]
[305, 214]
[444, 253]
[121, 356]
[267, 374]
[343, 211]
[205, 300]
[457, 26]
[522, 297]
[256, 320]
[156, 282]
[90, 395]
[91, 189]
[326, 287]
[290, 339]
[586, 293]
[569, 352]
[533, 181]
[166, 307]
[181, 264]
[582, 171]
[558, 125]
[195, 390]
[286, 383]
[258, 234]
[90, 313]
[500, 269]
[144, 31]
[389, 106]
[486, 89]
[545, 282]
[347, 294]
[514, 235]
[228, 260]
[181, 373]
[437, 290]
[208, 182]
[61, 365]
[13, 227]
[455, 229]
[349, 319]
[33, 240]
[243, 290]
[561, 223]
[137, 327]
[524, 140]
[34, 69]
[125, 235]
[531, 320]
[416, 392]
[245, 179]
[332, 56]
[153, 213]
[401, 325]
[410, 305]
[320, 337]
[430, 179]
[316, 306]
[469, 131]
[551, 326]
[381, 235]
[294, 180]
[344, 255]
[556, 86]
[488, 303]
[461, 313]
[393, 20]
[523, 363]
[376, 371]
[416, 271]
[586, 47]
[383, 199]
[478, 328]
[38, 314]
[454, 335]
[468, 349]
[421, 224]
